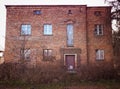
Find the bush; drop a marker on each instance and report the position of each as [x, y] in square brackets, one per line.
[50, 72]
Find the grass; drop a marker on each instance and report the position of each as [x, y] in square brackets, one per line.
[111, 84]
[14, 84]
[108, 84]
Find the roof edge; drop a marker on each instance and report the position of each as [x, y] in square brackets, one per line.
[57, 6]
[98, 6]
[40, 5]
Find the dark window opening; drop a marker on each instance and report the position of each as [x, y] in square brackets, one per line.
[37, 12]
[97, 13]
[69, 12]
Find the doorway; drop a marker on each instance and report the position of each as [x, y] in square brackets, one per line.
[70, 62]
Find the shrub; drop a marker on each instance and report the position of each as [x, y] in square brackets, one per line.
[50, 72]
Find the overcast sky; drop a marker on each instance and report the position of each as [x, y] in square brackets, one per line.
[38, 2]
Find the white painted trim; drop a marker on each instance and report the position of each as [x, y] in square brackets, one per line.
[75, 59]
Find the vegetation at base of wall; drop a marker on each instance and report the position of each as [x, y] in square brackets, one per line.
[14, 83]
[51, 73]
[106, 84]
[19, 75]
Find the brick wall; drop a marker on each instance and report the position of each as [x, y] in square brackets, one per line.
[102, 41]
[83, 20]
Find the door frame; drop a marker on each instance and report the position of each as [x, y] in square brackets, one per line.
[68, 55]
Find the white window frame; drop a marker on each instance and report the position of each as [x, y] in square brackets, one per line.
[25, 29]
[98, 29]
[26, 53]
[100, 54]
[48, 52]
[47, 29]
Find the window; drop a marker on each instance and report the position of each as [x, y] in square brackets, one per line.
[37, 12]
[47, 54]
[47, 29]
[70, 35]
[99, 54]
[97, 13]
[69, 12]
[25, 29]
[25, 54]
[99, 29]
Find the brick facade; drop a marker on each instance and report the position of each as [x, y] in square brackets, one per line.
[85, 42]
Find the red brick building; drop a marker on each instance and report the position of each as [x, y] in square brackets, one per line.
[66, 35]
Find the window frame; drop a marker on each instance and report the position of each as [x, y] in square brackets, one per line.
[97, 13]
[71, 37]
[48, 50]
[49, 29]
[48, 53]
[26, 54]
[99, 29]
[37, 12]
[98, 53]
[28, 27]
